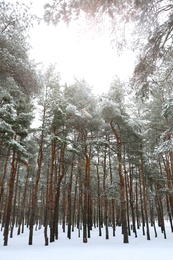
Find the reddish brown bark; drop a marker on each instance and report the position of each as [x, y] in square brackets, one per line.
[122, 184]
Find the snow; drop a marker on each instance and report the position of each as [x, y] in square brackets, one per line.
[96, 248]
[18, 146]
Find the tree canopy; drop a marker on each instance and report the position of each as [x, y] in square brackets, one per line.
[14, 58]
[93, 161]
[151, 28]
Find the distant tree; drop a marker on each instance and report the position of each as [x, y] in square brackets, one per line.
[15, 22]
[154, 31]
[80, 114]
[17, 114]
[112, 113]
[18, 83]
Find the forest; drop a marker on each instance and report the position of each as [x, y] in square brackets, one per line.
[91, 161]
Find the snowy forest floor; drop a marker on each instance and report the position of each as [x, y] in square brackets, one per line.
[96, 248]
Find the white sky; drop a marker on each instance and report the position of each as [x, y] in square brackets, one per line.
[78, 54]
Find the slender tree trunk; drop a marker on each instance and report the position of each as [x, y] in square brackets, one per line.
[74, 204]
[4, 176]
[169, 180]
[105, 195]
[145, 196]
[167, 199]
[137, 203]
[89, 207]
[85, 206]
[112, 200]
[35, 191]
[132, 201]
[80, 202]
[126, 182]
[160, 215]
[122, 188]
[69, 213]
[141, 204]
[46, 211]
[51, 192]
[61, 173]
[14, 204]
[99, 200]
[169, 212]
[10, 197]
[64, 205]
[23, 203]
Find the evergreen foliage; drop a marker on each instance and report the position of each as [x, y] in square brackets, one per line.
[93, 161]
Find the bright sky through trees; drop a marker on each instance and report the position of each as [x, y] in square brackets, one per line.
[78, 53]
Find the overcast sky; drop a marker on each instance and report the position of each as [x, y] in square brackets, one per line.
[78, 53]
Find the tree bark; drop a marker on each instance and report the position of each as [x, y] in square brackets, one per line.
[122, 188]
[10, 197]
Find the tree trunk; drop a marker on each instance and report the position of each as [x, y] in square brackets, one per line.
[144, 196]
[51, 192]
[112, 200]
[46, 216]
[23, 203]
[132, 200]
[69, 213]
[10, 197]
[122, 188]
[14, 204]
[99, 200]
[105, 194]
[35, 190]
[85, 206]
[60, 175]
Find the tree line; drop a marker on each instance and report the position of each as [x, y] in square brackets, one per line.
[92, 161]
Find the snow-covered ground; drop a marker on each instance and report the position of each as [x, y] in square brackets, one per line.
[97, 247]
